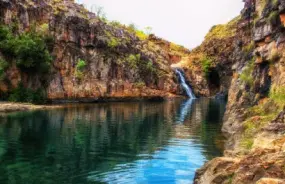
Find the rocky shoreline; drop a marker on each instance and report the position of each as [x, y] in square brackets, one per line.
[7, 107]
[95, 61]
[254, 122]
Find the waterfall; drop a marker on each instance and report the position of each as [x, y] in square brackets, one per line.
[187, 89]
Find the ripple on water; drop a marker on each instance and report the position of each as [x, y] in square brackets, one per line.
[116, 143]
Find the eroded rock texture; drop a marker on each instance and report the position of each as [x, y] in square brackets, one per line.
[254, 119]
[119, 63]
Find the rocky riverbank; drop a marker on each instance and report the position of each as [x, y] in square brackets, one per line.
[84, 58]
[6, 107]
[254, 123]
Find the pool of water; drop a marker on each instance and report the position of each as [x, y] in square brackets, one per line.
[135, 142]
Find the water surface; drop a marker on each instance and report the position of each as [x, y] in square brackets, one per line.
[136, 142]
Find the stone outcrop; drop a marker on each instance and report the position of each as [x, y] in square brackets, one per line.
[119, 63]
[254, 119]
[209, 66]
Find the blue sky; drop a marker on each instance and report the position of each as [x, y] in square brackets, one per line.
[184, 22]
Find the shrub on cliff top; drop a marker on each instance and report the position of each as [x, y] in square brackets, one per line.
[175, 47]
[223, 30]
[132, 27]
[141, 35]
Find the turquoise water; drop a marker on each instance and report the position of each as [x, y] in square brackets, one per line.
[136, 142]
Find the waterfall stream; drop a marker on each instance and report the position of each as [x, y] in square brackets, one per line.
[185, 86]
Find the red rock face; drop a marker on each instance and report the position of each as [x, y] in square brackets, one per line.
[174, 59]
[282, 19]
[80, 35]
[254, 118]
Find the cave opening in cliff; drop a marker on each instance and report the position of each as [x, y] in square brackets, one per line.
[214, 80]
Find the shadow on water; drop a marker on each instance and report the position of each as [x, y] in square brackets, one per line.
[138, 142]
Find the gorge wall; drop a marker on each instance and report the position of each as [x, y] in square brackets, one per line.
[254, 121]
[91, 58]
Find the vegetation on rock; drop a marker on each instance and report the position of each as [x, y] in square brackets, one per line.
[246, 75]
[223, 30]
[3, 66]
[22, 94]
[80, 66]
[29, 50]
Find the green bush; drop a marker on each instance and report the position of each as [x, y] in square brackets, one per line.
[206, 65]
[133, 60]
[5, 33]
[148, 68]
[32, 54]
[22, 94]
[141, 35]
[132, 27]
[3, 66]
[115, 24]
[29, 49]
[246, 75]
[113, 42]
[7, 39]
[277, 94]
[80, 66]
[247, 143]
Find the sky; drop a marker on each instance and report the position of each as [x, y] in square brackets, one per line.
[184, 22]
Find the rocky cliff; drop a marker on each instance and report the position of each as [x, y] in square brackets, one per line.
[91, 58]
[209, 66]
[254, 121]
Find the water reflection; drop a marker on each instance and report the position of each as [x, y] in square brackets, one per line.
[185, 109]
[110, 143]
